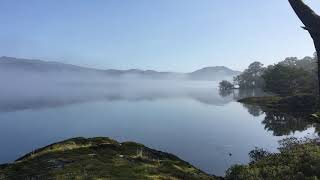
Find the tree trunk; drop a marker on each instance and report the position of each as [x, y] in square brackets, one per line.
[316, 40]
[312, 24]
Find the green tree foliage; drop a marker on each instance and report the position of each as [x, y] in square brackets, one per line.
[225, 85]
[288, 80]
[258, 154]
[307, 63]
[251, 77]
[288, 77]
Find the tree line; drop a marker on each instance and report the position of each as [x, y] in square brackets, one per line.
[288, 77]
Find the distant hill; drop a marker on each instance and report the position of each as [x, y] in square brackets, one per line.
[39, 66]
[213, 73]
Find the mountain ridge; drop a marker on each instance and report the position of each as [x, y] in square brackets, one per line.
[40, 66]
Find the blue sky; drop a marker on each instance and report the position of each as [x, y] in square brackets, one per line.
[166, 35]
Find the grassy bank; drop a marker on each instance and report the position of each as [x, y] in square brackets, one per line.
[100, 158]
[302, 104]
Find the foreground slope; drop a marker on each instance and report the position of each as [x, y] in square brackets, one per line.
[99, 158]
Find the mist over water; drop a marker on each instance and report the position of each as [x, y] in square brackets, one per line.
[23, 90]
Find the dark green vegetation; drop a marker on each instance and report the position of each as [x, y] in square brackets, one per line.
[251, 77]
[295, 103]
[99, 158]
[268, 101]
[289, 77]
[297, 159]
[286, 80]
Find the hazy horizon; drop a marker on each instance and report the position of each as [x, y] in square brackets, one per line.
[98, 68]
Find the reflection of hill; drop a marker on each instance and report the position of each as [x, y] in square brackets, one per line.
[210, 97]
[66, 95]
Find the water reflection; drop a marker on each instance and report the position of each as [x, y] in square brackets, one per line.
[285, 124]
[63, 96]
[279, 123]
[254, 110]
[181, 120]
[226, 93]
[282, 123]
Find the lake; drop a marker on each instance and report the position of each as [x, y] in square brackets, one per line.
[195, 121]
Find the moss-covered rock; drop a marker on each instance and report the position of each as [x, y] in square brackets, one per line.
[99, 158]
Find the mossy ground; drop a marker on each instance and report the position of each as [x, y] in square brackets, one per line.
[99, 158]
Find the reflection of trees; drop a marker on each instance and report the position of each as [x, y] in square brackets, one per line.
[253, 110]
[278, 122]
[285, 124]
[225, 93]
[281, 123]
[242, 93]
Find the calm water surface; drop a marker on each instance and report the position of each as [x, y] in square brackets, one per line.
[200, 125]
